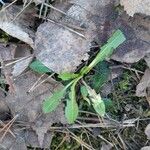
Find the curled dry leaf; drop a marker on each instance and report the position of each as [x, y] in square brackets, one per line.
[28, 105]
[144, 85]
[18, 27]
[63, 44]
[136, 6]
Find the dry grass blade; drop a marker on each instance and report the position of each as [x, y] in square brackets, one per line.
[66, 27]
[80, 141]
[22, 11]
[3, 125]
[3, 9]
[8, 127]
[39, 83]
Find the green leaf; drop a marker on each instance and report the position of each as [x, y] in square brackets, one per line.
[99, 107]
[52, 102]
[84, 93]
[96, 100]
[67, 76]
[108, 104]
[101, 75]
[107, 50]
[38, 67]
[71, 110]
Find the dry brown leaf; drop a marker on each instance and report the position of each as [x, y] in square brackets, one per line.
[62, 50]
[144, 85]
[136, 6]
[18, 27]
[29, 105]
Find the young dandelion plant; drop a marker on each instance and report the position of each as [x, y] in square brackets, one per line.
[89, 94]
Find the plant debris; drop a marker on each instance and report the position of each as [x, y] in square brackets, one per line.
[136, 6]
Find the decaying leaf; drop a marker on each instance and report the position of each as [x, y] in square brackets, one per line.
[7, 52]
[13, 143]
[137, 45]
[147, 131]
[136, 6]
[63, 44]
[18, 27]
[144, 85]
[28, 105]
[21, 66]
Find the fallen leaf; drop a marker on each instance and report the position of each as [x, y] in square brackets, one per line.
[137, 45]
[18, 27]
[23, 50]
[7, 52]
[136, 6]
[141, 89]
[29, 105]
[21, 66]
[13, 143]
[60, 45]
[147, 131]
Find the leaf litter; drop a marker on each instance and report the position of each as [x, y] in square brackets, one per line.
[61, 42]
